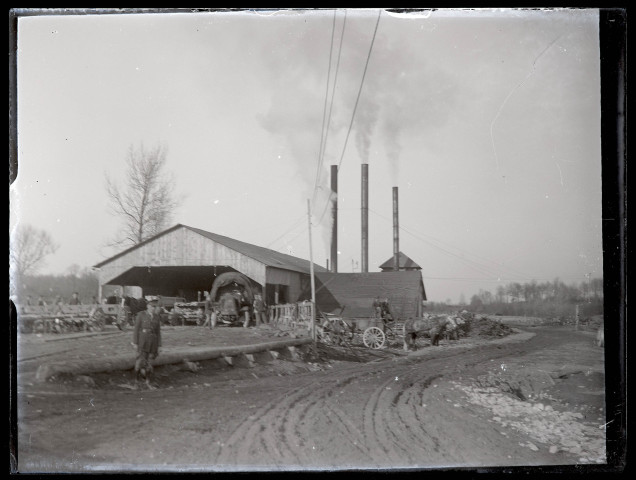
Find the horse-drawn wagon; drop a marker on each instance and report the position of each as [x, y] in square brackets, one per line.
[373, 332]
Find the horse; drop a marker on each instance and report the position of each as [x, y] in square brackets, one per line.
[434, 327]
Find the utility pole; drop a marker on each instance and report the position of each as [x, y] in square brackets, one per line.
[576, 315]
[313, 284]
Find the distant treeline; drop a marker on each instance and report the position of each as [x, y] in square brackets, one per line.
[49, 287]
[548, 300]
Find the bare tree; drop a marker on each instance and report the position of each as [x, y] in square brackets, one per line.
[147, 200]
[29, 248]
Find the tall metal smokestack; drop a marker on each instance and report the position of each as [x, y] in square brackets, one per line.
[364, 264]
[334, 216]
[396, 230]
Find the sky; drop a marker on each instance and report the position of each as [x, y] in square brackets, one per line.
[487, 121]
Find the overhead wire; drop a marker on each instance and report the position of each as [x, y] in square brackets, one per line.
[335, 82]
[329, 115]
[303, 229]
[364, 74]
[294, 224]
[355, 107]
[324, 110]
[480, 267]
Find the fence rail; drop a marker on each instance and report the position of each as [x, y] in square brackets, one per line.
[293, 316]
[63, 310]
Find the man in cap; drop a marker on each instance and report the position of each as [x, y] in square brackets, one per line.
[147, 340]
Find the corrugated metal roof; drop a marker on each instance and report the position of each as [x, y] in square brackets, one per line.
[268, 257]
[356, 291]
[403, 262]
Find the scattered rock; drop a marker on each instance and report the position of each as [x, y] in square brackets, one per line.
[191, 366]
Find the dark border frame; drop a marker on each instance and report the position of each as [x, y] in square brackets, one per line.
[613, 44]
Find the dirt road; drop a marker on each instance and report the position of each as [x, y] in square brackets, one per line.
[536, 398]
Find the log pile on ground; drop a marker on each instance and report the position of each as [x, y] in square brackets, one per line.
[463, 324]
[470, 325]
[487, 327]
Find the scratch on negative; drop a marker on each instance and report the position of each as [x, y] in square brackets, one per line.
[560, 173]
[501, 107]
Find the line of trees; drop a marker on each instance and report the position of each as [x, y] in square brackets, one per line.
[547, 299]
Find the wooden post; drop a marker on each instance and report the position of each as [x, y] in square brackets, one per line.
[313, 285]
[576, 318]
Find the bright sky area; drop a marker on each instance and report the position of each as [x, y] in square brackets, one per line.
[487, 121]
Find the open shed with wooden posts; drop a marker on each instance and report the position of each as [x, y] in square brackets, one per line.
[183, 261]
[353, 293]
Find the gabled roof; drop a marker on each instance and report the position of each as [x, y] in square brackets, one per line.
[356, 292]
[266, 256]
[269, 257]
[404, 262]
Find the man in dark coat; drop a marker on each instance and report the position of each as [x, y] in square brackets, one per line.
[210, 314]
[259, 309]
[147, 340]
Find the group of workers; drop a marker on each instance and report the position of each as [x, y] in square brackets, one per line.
[381, 309]
[212, 311]
[74, 300]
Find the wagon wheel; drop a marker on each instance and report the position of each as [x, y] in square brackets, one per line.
[373, 337]
[329, 335]
[348, 331]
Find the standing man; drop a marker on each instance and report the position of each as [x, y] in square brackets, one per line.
[259, 309]
[59, 304]
[377, 307]
[147, 340]
[210, 315]
[75, 299]
[42, 303]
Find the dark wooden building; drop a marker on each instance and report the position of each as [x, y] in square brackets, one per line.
[353, 293]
